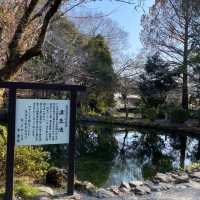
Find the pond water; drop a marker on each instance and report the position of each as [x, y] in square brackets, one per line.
[107, 155]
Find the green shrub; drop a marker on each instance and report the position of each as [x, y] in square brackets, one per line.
[164, 110]
[92, 113]
[195, 114]
[29, 161]
[179, 115]
[193, 166]
[140, 108]
[22, 190]
[25, 191]
[150, 113]
[102, 106]
[198, 115]
[2, 192]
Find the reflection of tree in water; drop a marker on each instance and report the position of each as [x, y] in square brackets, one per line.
[102, 152]
[122, 150]
[161, 149]
[96, 149]
[152, 154]
[193, 149]
[148, 149]
[197, 154]
[188, 148]
[180, 143]
[96, 140]
[183, 145]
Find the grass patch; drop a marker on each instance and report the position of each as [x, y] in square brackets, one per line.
[25, 190]
[2, 191]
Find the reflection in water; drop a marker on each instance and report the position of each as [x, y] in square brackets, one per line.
[197, 155]
[96, 149]
[183, 144]
[107, 155]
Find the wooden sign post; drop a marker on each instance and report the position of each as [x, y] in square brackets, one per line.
[51, 129]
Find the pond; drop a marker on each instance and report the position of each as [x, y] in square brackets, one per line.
[107, 155]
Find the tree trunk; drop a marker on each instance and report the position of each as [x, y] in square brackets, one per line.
[125, 108]
[16, 60]
[122, 151]
[185, 59]
[183, 142]
[125, 100]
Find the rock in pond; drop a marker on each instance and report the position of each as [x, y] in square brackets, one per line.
[141, 190]
[102, 193]
[125, 185]
[165, 178]
[85, 186]
[153, 187]
[182, 178]
[62, 197]
[195, 175]
[56, 177]
[124, 190]
[136, 183]
[115, 190]
[47, 190]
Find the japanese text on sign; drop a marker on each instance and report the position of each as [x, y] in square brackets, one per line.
[42, 121]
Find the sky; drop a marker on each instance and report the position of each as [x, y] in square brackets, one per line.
[127, 16]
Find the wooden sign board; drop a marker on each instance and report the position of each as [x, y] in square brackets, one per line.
[42, 121]
[38, 122]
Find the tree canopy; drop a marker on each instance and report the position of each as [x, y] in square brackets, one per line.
[170, 28]
[156, 81]
[99, 67]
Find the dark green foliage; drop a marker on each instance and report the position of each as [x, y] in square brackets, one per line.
[156, 81]
[164, 110]
[57, 154]
[100, 60]
[103, 78]
[196, 115]
[174, 113]
[150, 113]
[179, 115]
[195, 78]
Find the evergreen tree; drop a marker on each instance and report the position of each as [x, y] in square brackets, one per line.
[100, 68]
[156, 81]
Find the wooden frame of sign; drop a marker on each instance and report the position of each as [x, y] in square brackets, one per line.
[13, 86]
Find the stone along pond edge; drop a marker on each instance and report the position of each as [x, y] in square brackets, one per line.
[160, 183]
